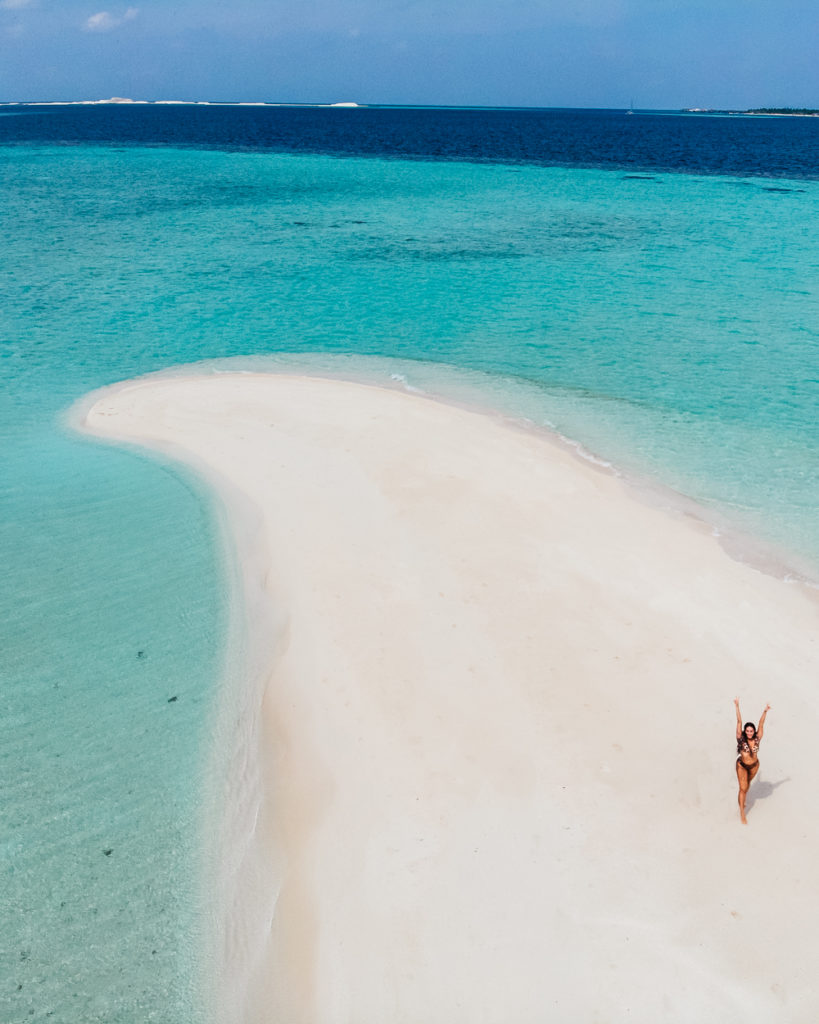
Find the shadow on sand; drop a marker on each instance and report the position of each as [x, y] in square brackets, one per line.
[762, 790]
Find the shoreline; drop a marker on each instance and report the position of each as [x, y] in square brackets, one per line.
[466, 392]
[480, 647]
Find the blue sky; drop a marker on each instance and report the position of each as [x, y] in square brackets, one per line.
[658, 53]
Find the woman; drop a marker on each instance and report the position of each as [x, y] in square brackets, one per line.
[748, 740]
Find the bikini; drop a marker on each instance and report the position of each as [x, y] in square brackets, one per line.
[749, 750]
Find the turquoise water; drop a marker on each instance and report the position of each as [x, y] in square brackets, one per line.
[667, 322]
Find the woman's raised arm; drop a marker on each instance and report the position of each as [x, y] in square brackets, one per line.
[762, 721]
[739, 719]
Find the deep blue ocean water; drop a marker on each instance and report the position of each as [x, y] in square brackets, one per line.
[646, 284]
[649, 140]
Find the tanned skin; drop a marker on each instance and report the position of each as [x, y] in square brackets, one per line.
[748, 760]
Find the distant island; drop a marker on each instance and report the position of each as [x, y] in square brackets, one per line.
[124, 100]
[772, 111]
[786, 111]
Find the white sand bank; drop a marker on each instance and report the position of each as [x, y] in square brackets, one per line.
[496, 748]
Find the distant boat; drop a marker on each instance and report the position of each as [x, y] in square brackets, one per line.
[631, 108]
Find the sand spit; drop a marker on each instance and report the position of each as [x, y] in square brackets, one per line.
[491, 772]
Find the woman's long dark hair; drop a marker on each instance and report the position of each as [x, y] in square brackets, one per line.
[744, 738]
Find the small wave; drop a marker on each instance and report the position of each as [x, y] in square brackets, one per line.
[399, 378]
[587, 455]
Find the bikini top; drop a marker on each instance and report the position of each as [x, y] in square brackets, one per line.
[752, 748]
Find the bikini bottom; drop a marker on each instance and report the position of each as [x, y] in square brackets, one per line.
[747, 767]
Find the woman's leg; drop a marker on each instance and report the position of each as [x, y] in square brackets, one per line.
[744, 780]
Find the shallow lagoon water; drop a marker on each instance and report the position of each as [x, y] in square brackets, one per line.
[667, 322]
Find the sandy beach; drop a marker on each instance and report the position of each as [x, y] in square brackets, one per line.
[489, 771]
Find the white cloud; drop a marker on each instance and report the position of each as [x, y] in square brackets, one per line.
[104, 22]
[99, 22]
